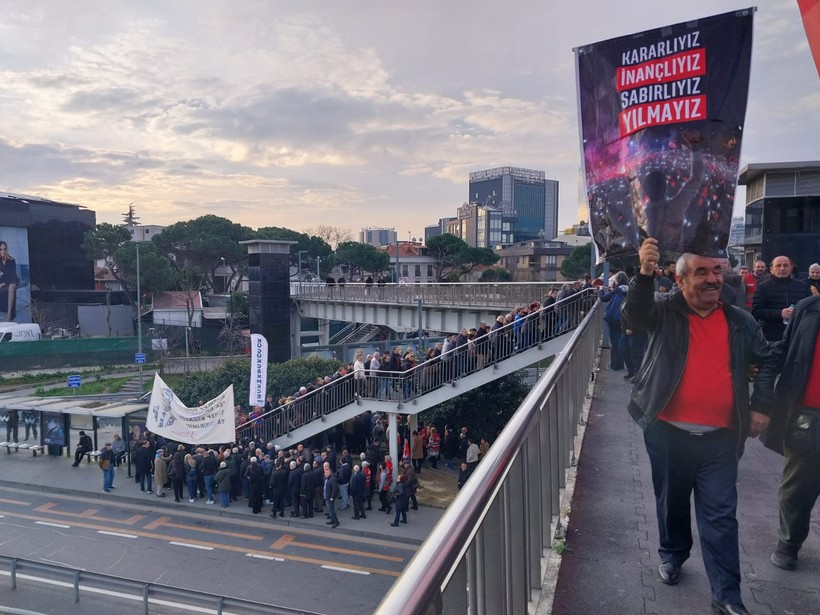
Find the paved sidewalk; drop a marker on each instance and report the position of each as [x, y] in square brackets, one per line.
[613, 534]
[55, 475]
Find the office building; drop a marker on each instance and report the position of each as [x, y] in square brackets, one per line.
[45, 240]
[782, 212]
[526, 203]
[377, 237]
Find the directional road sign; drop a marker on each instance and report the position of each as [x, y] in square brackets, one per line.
[139, 357]
[74, 382]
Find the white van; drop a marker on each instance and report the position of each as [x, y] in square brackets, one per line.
[15, 332]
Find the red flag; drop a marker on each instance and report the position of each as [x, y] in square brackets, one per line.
[810, 11]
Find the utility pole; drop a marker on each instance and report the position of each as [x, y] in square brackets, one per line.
[139, 316]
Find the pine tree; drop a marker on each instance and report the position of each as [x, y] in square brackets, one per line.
[131, 218]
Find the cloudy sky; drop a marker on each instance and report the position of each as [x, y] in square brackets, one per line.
[346, 112]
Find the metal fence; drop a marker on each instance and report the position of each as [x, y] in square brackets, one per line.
[485, 554]
[490, 294]
[144, 592]
[404, 386]
[74, 352]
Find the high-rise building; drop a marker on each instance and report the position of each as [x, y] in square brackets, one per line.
[525, 198]
[377, 237]
[782, 212]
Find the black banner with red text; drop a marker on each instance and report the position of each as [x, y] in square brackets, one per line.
[662, 116]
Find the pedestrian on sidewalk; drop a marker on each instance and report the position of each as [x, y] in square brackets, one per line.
[145, 465]
[411, 483]
[222, 480]
[402, 496]
[357, 492]
[795, 427]
[107, 466]
[160, 472]
[331, 495]
[691, 398]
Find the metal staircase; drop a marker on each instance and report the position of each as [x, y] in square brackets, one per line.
[502, 352]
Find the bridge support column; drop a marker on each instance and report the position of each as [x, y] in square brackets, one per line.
[395, 455]
[295, 331]
[324, 331]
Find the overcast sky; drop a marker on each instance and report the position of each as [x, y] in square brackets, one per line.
[347, 112]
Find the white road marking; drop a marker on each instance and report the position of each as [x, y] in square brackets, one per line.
[190, 546]
[117, 534]
[52, 524]
[364, 572]
[270, 558]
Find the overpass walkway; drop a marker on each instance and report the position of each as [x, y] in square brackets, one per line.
[611, 558]
[512, 347]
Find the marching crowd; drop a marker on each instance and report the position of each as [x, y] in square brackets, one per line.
[303, 480]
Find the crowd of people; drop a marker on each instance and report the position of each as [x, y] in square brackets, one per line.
[302, 481]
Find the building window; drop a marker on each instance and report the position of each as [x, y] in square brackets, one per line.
[430, 271]
[404, 271]
[418, 271]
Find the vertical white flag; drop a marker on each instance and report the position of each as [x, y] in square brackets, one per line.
[259, 370]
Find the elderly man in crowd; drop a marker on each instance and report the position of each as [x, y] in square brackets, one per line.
[691, 399]
[776, 297]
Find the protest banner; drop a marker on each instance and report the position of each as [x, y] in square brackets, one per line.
[259, 370]
[210, 423]
[661, 119]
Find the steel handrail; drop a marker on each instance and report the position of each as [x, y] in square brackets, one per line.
[342, 391]
[420, 588]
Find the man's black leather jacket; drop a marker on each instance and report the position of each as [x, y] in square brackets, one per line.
[667, 322]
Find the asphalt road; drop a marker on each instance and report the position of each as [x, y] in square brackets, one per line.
[252, 559]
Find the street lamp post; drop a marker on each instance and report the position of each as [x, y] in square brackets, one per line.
[139, 317]
[299, 276]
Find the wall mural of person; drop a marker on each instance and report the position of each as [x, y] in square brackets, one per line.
[8, 282]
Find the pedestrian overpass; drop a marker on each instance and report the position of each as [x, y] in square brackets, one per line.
[434, 307]
[540, 335]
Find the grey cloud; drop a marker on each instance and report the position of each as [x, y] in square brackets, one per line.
[121, 100]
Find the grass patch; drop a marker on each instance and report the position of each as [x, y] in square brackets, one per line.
[89, 387]
[437, 488]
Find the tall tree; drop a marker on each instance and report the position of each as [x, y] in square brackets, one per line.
[577, 263]
[314, 246]
[361, 257]
[131, 218]
[484, 410]
[333, 235]
[456, 258]
[202, 243]
[113, 245]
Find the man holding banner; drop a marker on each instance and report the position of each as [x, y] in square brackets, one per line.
[662, 115]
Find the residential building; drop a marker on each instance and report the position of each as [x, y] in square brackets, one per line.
[413, 265]
[535, 260]
[782, 212]
[145, 232]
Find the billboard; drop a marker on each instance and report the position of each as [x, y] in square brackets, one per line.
[15, 283]
[661, 117]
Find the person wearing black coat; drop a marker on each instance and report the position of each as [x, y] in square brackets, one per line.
[85, 445]
[256, 485]
[145, 465]
[330, 493]
[295, 486]
[357, 492]
[775, 298]
[402, 496]
[307, 489]
[278, 485]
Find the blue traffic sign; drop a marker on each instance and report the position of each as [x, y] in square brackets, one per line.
[139, 357]
[74, 382]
